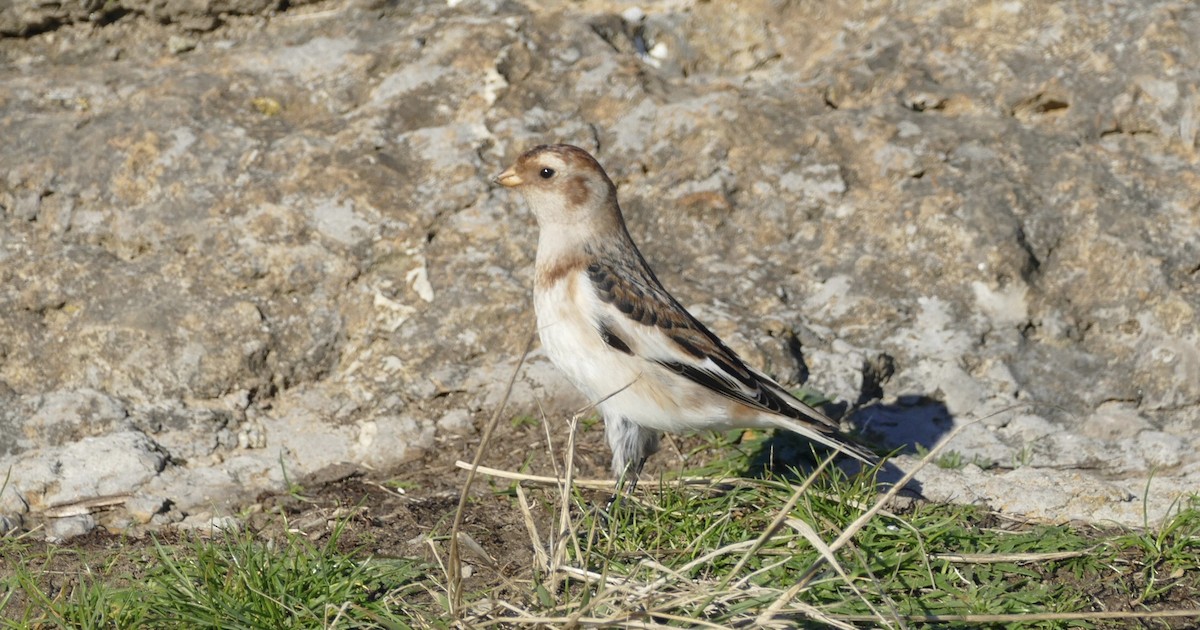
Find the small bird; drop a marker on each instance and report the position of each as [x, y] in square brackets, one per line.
[607, 322]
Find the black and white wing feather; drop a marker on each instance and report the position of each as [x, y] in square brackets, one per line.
[669, 337]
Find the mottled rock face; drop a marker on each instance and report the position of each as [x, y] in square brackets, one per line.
[275, 240]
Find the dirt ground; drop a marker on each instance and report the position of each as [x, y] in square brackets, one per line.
[396, 513]
[385, 513]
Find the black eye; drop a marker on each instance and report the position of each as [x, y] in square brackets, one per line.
[546, 173]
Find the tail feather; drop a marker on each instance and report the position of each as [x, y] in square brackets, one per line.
[827, 437]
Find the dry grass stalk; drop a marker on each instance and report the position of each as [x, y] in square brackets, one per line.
[454, 565]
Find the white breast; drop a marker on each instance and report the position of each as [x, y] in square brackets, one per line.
[624, 386]
[567, 327]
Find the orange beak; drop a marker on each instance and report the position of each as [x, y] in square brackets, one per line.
[508, 178]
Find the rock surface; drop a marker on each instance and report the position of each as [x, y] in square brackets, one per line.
[239, 243]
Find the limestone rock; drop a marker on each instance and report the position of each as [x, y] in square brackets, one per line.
[282, 245]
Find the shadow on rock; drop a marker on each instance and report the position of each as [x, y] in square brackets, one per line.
[908, 426]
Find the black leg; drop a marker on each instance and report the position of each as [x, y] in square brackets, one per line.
[627, 484]
[636, 474]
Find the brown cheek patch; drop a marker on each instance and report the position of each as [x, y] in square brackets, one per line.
[577, 191]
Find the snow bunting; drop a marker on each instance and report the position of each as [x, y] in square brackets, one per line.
[606, 322]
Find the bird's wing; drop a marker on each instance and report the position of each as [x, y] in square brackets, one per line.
[664, 333]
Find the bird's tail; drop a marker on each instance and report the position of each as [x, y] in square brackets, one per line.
[826, 436]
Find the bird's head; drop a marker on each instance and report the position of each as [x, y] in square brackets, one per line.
[565, 188]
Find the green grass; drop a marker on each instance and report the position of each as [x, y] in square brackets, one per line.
[524, 421]
[744, 552]
[234, 580]
[755, 551]
[892, 569]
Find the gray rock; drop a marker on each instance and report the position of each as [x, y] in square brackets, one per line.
[280, 250]
[62, 417]
[206, 524]
[30, 17]
[9, 524]
[456, 422]
[179, 45]
[90, 467]
[142, 509]
[60, 529]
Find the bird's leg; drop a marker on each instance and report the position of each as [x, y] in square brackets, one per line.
[627, 482]
[604, 514]
[636, 474]
[631, 444]
[612, 501]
